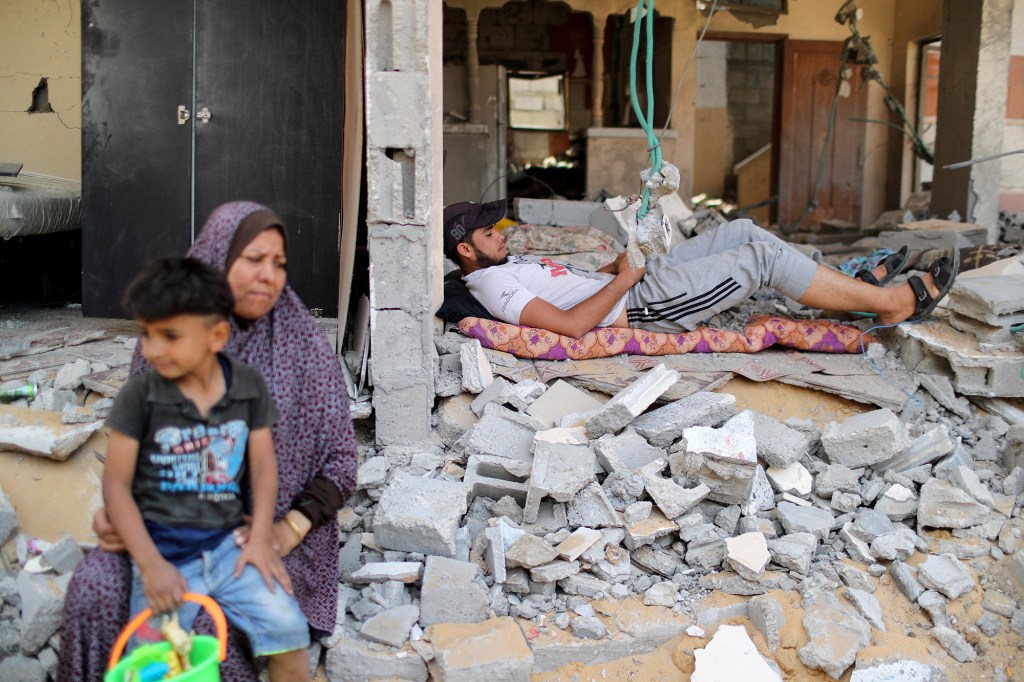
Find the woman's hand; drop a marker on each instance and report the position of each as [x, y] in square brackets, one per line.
[283, 537]
[110, 541]
[262, 555]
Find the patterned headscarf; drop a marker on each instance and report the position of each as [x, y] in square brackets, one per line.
[313, 436]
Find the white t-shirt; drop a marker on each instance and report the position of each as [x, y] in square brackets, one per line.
[506, 289]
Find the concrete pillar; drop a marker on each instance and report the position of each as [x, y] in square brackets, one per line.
[972, 104]
[403, 158]
[473, 65]
[597, 73]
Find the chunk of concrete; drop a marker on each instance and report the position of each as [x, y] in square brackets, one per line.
[42, 603]
[501, 392]
[798, 519]
[453, 592]
[836, 478]
[56, 443]
[420, 515]
[529, 551]
[554, 571]
[794, 479]
[672, 499]
[476, 369]
[579, 541]
[900, 670]
[731, 656]
[905, 578]
[494, 649]
[392, 626]
[925, 449]
[868, 606]
[955, 644]
[734, 440]
[63, 555]
[767, 615]
[946, 574]
[559, 400]
[865, 439]
[352, 659]
[497, 477]
[559, 472]
[666, 424]
[836, 634]
[387, 571]
[747, 554]
[631, 401]
[502, 433]
[69, 377]
[650, 529]
[662, 594]
[898, 502]
[968, 481]
[942, 505]
[942, 390]
[778, 445]
[8, 519]
[627, 451]
[591, 507]
[994, 300]
[589, 627]
[794, 551]
[997, 602]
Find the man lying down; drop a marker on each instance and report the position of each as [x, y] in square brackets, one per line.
[674, 292]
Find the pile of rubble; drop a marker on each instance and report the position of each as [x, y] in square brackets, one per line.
[542, 502]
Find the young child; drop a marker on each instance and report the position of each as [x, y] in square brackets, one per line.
[185, 439]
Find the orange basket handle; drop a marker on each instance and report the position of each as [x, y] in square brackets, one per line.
[135, 623]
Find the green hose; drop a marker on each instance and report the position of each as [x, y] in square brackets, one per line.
[646, 122]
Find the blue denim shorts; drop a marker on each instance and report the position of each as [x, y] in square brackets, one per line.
[273, 621]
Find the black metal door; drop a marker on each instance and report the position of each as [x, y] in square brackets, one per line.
[269, 74]
[136, 159]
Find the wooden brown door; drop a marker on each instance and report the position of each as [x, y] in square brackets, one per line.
[810, 72]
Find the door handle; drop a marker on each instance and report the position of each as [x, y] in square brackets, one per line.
[183, 114]
[204, 115]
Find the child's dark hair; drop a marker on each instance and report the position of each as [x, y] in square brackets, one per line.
[178, 286]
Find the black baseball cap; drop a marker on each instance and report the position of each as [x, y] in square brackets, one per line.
[462, 218]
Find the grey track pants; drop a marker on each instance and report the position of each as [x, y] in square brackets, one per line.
[713, 272]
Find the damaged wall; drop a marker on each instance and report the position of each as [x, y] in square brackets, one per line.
[1011, 196]
[41, 41]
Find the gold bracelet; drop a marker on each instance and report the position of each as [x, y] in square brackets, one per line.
[295, 527]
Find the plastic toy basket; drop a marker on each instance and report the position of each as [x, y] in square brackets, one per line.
[207, 652]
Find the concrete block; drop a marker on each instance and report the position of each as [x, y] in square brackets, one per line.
[560, 400]
[388, 571]
[899, 545]
[734, 440]
[631, 401]
[865, 439]
[63, 555]
[42, 603]
[627, 451]
[943, 505]
[659, 561]
[747, 554]
[794, 551]
[56, 443]
[391, 285]
[729, 656]
[926, 448]
[497, 477]
[650, 529]
[372, 473]
[454, 417]
[1016, 566]
[902, 670]
[453, 592]
[579, 541]
[762, 497]
[867, 605]
[794, 479]
[798, 519]
[501, 392]
[352, 660]
[661, 594]
[476, 370]
[502, 433]
[69, 377]
[968, 481]
[550, 519]
[529, 551]
[559, 472]
[402, 412]
[778, 445]
[494, 554]
[767, 615]
[666, 424]
[23, 669]
[392, 626]
[954, 644]
[946, 574]
[553, 571]
[905, 578]
[997, 602]
[555, 212]
[836, 634]
[898, 502]
[420, 515]
[494, 649]
[638, 511]
[591, 507]
[996, 300]
[941, 388]
[673, 500]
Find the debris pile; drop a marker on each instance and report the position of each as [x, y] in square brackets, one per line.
[546, 503]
